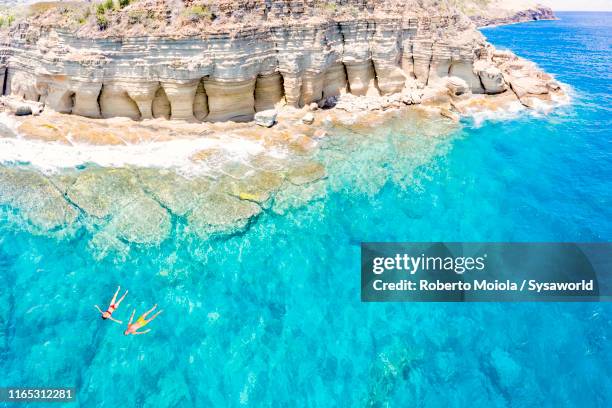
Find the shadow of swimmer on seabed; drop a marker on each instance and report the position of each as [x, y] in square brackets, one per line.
[132, 328]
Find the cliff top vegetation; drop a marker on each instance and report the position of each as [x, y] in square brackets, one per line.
[124, 18]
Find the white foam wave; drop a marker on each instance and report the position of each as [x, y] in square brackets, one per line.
[479, 116]
[53, 156]
[515, 109]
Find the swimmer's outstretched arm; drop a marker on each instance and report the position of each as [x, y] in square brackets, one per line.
[132, 317]
[115, 320]
[143, 332]
[99, 310]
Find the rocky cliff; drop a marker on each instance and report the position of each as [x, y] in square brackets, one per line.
[227, 60]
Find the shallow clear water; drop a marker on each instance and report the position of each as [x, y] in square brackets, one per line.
[272, 317]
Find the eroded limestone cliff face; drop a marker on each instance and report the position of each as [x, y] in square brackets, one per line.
[226, 62]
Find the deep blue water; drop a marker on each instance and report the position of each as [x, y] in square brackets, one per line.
[272, 317]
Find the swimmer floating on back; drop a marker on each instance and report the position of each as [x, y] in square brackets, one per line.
[140, 322]
[113, 306]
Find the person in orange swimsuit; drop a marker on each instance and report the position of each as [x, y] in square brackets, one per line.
[141, 322]
[108, 314]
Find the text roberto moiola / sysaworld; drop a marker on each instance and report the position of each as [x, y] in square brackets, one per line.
[411, 265]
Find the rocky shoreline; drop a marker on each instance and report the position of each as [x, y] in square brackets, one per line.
[522, 16]
[385, 53]
[131, 136]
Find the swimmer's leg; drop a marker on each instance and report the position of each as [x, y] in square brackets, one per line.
[121, 298]
[153, 317]
[115, 295]
[144, 315]
[143, 332]
[132, 317]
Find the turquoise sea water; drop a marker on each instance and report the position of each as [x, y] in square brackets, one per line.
[272, 316]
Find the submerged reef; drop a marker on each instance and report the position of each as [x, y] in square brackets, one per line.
[219, 188]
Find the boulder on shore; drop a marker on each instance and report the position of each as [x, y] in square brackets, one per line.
[308, 118]
[457, 86]
[266, 118]
[20, 107]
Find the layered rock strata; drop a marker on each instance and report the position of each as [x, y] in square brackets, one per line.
[294, 55]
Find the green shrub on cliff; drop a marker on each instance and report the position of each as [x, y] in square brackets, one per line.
[331, 7]
[39, 8]
[101, 9]
[84, 16]
[199, 13]
[102, 21]
[124, 3]
[137, 16]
